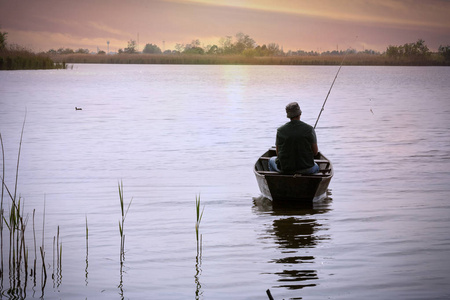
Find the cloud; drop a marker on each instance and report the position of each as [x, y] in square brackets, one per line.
[105, 29]
[431, 13]
[44, 41]
[300, 24]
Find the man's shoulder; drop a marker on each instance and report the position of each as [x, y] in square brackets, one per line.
[301, 123]
[295, 124]
[285, 125]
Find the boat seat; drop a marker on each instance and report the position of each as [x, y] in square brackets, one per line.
[268, 173]
[316, 160]
[320, 173]
[321, 161]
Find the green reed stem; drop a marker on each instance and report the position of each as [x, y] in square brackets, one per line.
[35, 252]
[44, 270]
[18, 156]
[87, 252]
[122, 221]
[58, 258]
[197, 223]
[23, 226]
[58, 254]
[53, 257]
[87, 236]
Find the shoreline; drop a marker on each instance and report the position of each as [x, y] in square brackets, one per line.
[27, 61]
[357, 59]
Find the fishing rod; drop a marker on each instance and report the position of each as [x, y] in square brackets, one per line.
[323, 106]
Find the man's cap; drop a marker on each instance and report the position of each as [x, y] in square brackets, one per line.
[293, 110]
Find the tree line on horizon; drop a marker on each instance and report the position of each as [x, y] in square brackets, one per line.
[418, 50]
[15, 57]
[245, 46]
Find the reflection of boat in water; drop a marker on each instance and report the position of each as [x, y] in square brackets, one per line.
[295, 188]
[297, 232]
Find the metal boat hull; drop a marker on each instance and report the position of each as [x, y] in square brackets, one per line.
[293, 188]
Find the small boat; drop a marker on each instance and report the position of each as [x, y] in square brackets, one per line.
[295, 188]
[78, 108]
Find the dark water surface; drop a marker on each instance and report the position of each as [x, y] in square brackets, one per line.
[171, 133]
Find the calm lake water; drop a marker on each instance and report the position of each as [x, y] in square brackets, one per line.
[172, 133]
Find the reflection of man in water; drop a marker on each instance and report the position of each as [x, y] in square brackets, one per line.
[296, 145]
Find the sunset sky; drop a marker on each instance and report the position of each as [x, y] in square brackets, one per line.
[293, 24]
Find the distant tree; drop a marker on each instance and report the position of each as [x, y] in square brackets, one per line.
[101, 52]
[194, 50]
[150, 48]
[261, 50]
[303, 53]
[249, 52]
[131, 49]
[82, 51]
[416, 50]
[421, 49]
[179, 47]
[195, 43]
[213, 50]
[394, 51]
[65, 51]
[52, 51]
[273, 49]
[243, 41]
[370, 51]
[445, 52]
[226, 45]
[3, 40]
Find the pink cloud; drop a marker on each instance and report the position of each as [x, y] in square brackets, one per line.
[306, 25]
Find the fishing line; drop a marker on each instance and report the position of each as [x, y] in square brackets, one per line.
[323, 106]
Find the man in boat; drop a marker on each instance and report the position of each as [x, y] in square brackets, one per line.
[296, 145]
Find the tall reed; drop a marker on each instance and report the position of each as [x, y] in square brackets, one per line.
[22, 59]
[87, 252]
[198, 258]
[18, 252]
[16, 222]
[35, 252]
[197, 224]
[122, 221]
[42, 250]
[87, 237]
[57, 259]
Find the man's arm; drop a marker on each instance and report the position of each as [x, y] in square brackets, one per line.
[315, 149]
